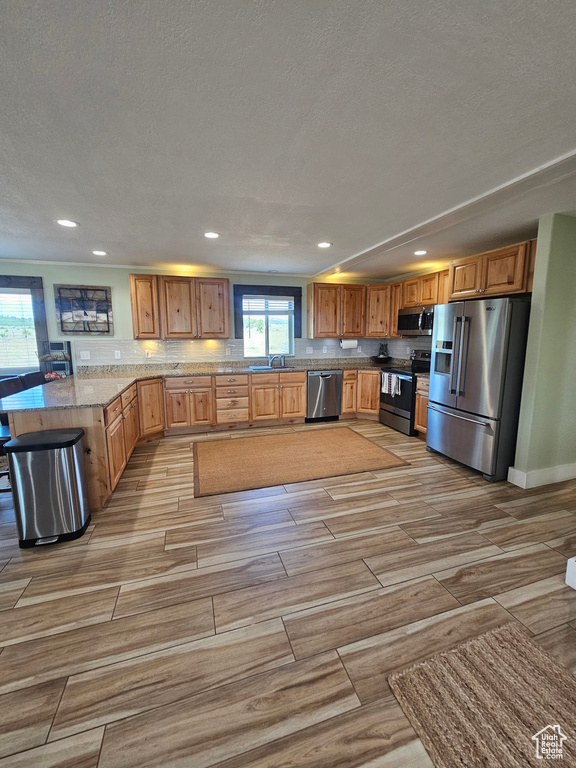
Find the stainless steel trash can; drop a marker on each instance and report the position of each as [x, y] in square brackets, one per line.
[48, 485]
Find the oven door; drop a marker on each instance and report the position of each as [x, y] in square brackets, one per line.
[402, 404]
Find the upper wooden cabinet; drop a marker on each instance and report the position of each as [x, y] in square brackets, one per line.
[444, 286]
[378, 311]
[495, 273]
[396, 292]
[178, 307]
[336, 311]
[171, 307]
[145, 306]
[195, 307]
[421, 290]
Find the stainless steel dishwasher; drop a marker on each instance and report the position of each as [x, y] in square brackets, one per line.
[324, 395]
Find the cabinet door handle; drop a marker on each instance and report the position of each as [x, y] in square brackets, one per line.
[117, 407]
[231, 415]
[231, 379]
[232, 391]
[232, 402]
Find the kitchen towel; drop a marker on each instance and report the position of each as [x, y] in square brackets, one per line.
[348, 343]
[390, 384]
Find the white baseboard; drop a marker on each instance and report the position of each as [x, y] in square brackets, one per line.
[541, 476]
[571, 572]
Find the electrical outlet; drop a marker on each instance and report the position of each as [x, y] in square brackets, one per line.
[117, 354]
[228, 351]
[359, 348]
[324, 349]
[84, 355]
[407, 350]
[148, 354]
[309, 350]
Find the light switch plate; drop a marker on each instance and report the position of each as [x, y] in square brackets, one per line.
[324, 349]
[85, 355]
[117, 354]
[309, 350]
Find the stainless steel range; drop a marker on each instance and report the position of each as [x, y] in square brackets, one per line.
[398, 392]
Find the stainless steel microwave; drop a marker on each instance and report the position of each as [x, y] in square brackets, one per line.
[416, 321]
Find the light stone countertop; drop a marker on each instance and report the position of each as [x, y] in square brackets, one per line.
[99, 389]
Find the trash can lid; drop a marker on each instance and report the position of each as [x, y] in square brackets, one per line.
[48, 440]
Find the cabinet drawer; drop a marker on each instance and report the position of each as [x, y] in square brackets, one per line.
[231, 403]
[422, 385]
[231, 390]
[292, 377]
[264, 379]
[227, 417]
[113, 410]
[227, 379]
[187, 382]
[128, 395]
[350, 375]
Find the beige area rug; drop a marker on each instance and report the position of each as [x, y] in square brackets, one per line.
[483, 702]
[223, 466]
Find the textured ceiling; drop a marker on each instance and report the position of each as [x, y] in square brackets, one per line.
[379, 126]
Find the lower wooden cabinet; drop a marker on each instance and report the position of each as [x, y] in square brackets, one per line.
[189, 407]
[421, 407]
[349, 386]
[151, 406]
[368, 392]
[278, 396]
[122, 433]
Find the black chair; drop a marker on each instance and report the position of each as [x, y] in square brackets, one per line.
[8, 386]
[32, 379]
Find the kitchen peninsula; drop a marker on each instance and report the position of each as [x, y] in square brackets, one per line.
[117, 409]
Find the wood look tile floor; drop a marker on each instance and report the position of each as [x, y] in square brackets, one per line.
[258, 629]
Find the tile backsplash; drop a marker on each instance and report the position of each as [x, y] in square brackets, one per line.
[127, 352]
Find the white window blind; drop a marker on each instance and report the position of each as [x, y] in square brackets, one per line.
[17, 333]
[263, 304]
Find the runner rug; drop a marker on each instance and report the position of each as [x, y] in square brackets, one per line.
[244, 463]
[497, 700]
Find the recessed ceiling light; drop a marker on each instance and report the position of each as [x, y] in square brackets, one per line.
[272, 270]
[99, 253]
[324, 245]
[67, 223]
[420, 253]
[211, 234]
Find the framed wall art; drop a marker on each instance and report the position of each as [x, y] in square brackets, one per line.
[84, 310]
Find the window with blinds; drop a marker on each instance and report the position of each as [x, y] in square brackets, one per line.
[18, 349]
[268, 324]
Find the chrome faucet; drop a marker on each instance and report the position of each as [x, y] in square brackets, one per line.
[271, 359]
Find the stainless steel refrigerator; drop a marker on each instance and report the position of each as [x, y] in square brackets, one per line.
[478, 350]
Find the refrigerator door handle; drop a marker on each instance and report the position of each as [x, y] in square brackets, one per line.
[455, 364]
[463, 356]
[462, 418]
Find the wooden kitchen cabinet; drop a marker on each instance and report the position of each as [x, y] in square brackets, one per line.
[368, 391]
[122, 432]
[293, 394]
[151, 406]
[349, 387]
[336, 311]
[421, 406]
[178, 307]
[213, 307]
[144, 300]
[173, 307]
[444, 286]
[131, 417]
[396, 293]
[189, 401]
[265, 396]
[116, 450]
[378, 311]
[278, 396]
[495, 273]
[418, 291]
